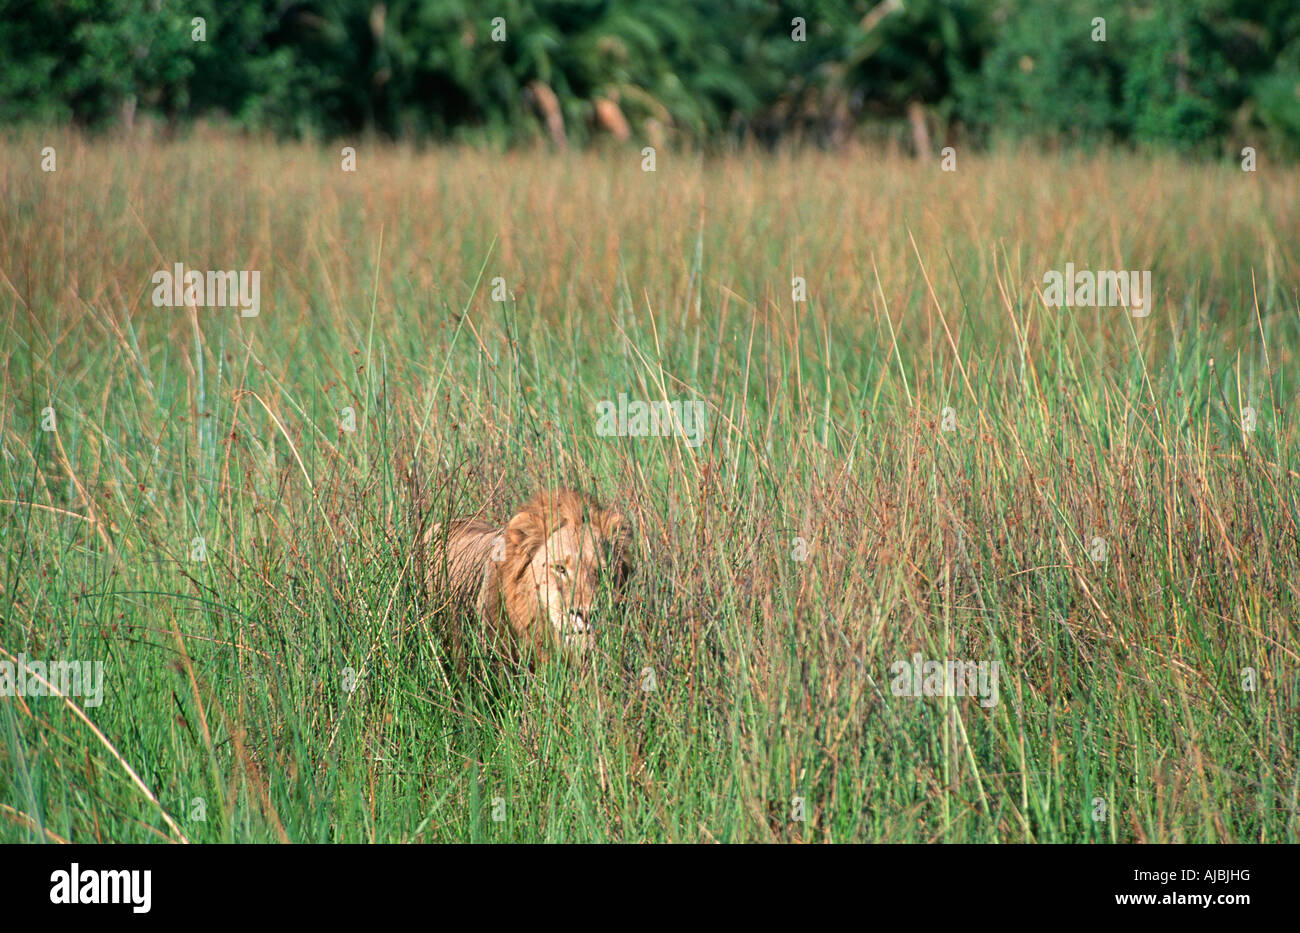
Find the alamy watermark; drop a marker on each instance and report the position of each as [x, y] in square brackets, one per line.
[1105, 288]
[177, 288]
[76, 885]
[952, 678]
[29, 678]
[636, 418]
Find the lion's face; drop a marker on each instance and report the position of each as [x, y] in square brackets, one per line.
[566, 572]
[565, 548]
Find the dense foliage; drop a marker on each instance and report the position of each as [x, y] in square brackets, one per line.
[1204, 74]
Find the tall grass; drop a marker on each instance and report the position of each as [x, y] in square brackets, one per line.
[1102, 518]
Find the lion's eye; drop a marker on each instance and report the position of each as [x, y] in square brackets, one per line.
[561, 569]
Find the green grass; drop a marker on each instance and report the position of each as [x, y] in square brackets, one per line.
[225, 679]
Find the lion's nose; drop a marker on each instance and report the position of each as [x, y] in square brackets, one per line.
[580, 619]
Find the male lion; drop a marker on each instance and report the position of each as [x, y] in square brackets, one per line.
[532, 584]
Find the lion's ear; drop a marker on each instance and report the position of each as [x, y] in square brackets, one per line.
[617, 530]
[613, 526]
[525, 534]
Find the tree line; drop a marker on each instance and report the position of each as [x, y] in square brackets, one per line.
[1206, 75]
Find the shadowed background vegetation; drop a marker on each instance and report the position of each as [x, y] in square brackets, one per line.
[1205, 75]
[734, 677]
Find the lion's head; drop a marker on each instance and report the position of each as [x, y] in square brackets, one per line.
[559, 548]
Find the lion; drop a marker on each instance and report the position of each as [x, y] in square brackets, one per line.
[532, 585]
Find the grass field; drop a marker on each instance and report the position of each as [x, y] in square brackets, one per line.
[1104, 504]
